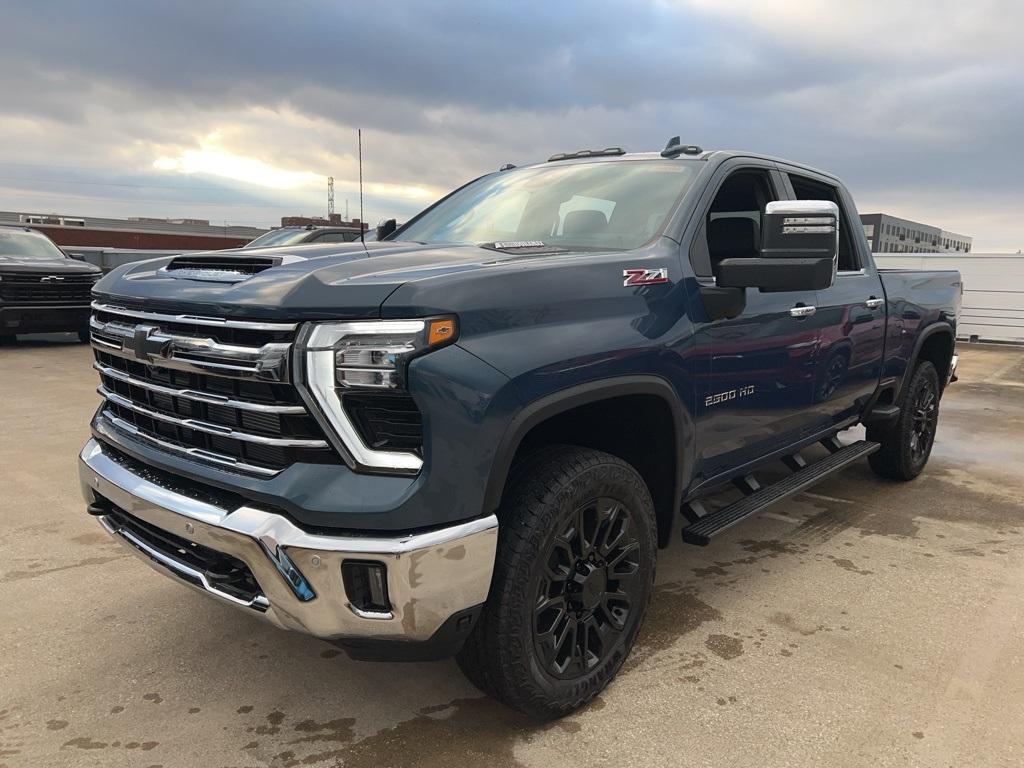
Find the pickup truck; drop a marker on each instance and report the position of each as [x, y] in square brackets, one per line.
[472, 437]
[292, 236]
[42, 289]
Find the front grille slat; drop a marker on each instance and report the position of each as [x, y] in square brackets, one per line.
[209, 427]
[168, 388]
[44, 288]
[249, 425]
[192, 351]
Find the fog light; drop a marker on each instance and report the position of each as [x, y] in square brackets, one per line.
[366, 585]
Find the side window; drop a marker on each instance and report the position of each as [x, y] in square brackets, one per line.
[334, 237]
[732, 226]
[808, 189]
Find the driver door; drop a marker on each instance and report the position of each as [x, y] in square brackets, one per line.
[756, 393]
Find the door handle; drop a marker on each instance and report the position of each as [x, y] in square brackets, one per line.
[873, 303]
[802, 310]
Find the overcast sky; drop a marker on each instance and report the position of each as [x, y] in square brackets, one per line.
[238, 111]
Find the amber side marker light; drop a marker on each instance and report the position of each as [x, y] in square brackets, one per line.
[440, 331]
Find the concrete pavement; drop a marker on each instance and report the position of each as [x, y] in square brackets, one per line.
[865, 623]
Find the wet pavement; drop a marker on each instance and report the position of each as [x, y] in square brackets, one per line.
[864, 623]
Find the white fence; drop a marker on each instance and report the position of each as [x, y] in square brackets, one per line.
[108, 258]
[993, 307]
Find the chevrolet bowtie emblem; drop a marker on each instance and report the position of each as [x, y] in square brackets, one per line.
[148, 343]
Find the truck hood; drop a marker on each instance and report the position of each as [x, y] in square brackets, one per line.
[311, 281]
[57, 266]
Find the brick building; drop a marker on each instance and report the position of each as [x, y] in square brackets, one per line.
[134, 233]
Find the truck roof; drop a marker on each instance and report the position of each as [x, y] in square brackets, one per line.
[613, 155]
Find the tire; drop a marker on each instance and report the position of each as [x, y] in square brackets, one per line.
[564, 609]
[83, 336]
[907, 442]
[7, 339]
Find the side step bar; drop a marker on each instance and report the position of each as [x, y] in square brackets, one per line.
[701, 531]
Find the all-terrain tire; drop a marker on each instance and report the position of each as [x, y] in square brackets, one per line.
[907, 441]
[558, 490]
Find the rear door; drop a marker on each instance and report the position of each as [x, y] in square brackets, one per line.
[756, 369]
[851, 314]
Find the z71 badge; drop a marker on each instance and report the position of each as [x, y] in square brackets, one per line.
[644, 276]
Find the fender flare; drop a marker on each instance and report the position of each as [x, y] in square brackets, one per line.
[939, 326]
[563, 400]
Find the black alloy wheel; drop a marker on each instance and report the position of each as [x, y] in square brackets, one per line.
[587, 588]
[907, 442]
[573, 575]
[925, 416]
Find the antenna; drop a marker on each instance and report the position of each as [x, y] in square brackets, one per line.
[330, 196]
[362, 228]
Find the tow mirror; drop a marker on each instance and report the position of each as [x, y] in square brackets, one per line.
[386, 228]
[799, 250]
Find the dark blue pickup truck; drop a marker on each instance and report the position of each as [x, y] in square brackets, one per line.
[472, 437]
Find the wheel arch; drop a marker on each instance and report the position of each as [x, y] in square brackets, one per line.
[615, 396]
[934, 344]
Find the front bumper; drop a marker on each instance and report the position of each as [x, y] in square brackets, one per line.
[43, 319]
[431, 577]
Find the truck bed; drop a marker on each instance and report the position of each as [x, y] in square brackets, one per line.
[915, 300]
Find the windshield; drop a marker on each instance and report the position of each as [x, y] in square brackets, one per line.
[28, 245]
[278, 237]
[584, 206]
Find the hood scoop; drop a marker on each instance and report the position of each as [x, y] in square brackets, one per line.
[222, 268]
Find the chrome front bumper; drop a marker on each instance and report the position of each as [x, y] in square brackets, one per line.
[430, 576]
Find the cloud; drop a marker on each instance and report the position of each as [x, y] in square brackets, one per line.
[242, 109]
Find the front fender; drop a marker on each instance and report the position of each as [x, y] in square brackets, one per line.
[537, 412]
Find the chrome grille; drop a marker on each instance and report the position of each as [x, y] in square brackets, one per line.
[215, 390]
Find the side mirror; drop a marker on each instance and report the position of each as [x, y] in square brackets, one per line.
[75, 256]
[799, 250]
[386, 228]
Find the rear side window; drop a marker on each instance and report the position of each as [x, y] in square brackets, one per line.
[809, 189]
[336, 237]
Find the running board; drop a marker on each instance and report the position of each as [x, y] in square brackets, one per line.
[701, 531]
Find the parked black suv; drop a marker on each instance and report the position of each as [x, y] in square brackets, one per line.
[42, 289]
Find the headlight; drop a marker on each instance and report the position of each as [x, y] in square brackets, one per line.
[333, 359]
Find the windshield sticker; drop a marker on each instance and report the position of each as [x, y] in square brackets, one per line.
[519, 244]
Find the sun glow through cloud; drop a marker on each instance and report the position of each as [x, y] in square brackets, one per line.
[214, 160]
